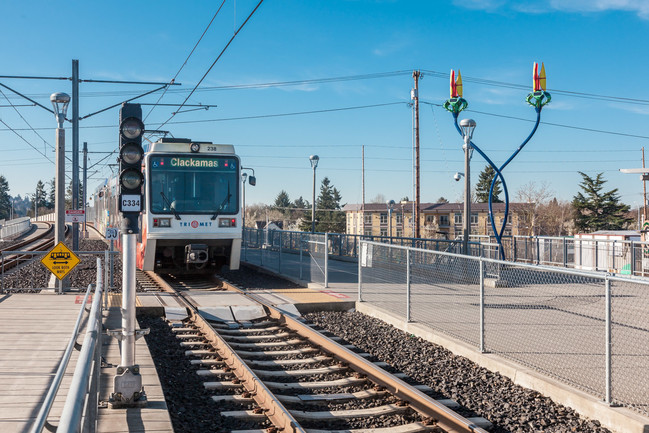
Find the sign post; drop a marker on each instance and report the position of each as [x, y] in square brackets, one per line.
[60, 260]
[112, 234]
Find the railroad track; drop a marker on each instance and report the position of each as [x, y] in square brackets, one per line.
[280, 374]
[43, 242]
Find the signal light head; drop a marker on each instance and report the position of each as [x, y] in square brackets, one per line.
[131, 128]
[131, 178]
[131, 153]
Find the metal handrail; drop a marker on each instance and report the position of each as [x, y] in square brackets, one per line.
[41, 418]
[74, 407]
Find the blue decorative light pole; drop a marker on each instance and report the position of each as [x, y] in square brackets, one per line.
[538, 98]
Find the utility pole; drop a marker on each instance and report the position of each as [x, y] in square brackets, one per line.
[415, 98]
[644, 192]
[85, 187]
[362, 224]
[75, 150]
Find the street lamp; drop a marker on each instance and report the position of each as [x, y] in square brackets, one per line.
[314, 164]
[253, 182]
[60, 103]
[390, 205]
[467, 126]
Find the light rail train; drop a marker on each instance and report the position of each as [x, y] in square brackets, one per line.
[191, 215]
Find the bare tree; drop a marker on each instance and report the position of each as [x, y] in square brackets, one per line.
[531, 197]
[556, 218]
[380, 198]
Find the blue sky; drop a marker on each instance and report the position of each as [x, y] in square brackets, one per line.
[588, 47]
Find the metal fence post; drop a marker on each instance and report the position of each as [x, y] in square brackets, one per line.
[613, 255]
[3, 272]
[565, 253]
[326, 270]
[279, 258]
[110, 267]
[408, 285]
[538, 251]
[632, 258]
[360, 271]
[607, 283]
[107, 254]
[514, 255]
[482, 330]
[301, 246]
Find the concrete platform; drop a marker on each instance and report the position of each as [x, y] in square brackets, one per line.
[34, 332]
[155, 416]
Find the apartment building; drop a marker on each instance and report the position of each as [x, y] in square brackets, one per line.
[438, 220]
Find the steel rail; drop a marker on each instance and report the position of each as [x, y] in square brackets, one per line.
[443, 417]
[44, 411]
[272, 407]
[446, 418]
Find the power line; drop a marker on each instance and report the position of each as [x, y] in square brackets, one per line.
[23, 139]
[186, 60]
[494, 83]
[25, 120]
[214, 63]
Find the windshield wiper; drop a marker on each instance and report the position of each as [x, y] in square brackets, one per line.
[226, 200]
[164, 197]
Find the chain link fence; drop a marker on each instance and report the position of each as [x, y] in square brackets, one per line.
[299, 255]
[586, 329]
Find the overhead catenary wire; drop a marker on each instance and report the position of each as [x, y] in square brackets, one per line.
[25, 140]
[186, 60]
[213, 63]
[25, 120]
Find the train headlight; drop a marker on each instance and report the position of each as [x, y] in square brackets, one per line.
[227, 222]
[162, 222]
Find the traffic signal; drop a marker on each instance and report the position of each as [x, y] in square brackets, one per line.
[131, 154]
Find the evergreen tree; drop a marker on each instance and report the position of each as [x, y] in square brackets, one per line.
[68, 195]
[40, 195]
[484, 185]
[442, 200]
[597, 210]
[283, 202]
[300, 203]
[51, 197]
[328, 216]
[5, 199]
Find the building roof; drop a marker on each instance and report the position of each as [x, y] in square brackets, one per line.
[431, 207]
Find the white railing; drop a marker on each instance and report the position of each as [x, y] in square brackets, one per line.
[15, 227]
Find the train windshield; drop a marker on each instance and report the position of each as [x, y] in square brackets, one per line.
[193, 184]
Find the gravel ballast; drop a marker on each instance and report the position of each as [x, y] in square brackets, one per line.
[511, 408]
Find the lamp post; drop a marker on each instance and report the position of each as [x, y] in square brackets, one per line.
[467, 126]
[60, 102]
[314, 164]
[390, 205]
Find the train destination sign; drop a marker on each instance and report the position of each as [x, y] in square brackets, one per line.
[60, 260]
[200, 163]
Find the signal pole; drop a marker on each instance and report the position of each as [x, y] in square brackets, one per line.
[415, 99]
[128, 390]
[75, 150]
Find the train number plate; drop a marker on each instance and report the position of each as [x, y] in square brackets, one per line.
[131, 203]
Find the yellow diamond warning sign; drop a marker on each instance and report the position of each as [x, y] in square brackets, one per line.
[60, 260]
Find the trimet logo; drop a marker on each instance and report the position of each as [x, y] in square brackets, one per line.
[195, 224]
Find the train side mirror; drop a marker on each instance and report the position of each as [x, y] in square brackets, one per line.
[252, 180]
